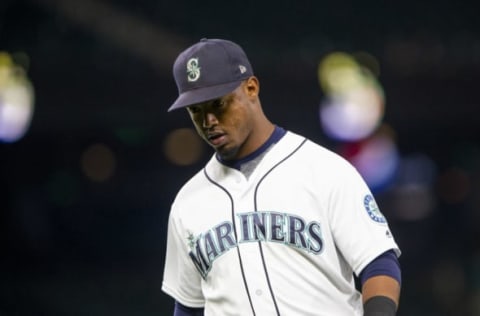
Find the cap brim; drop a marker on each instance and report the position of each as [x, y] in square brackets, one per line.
[200, 95]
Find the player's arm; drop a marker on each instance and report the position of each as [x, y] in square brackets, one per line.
[381, 282]
[182, 310]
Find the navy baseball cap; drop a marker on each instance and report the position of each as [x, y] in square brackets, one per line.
[209, 70]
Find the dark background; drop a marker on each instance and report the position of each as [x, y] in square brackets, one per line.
[101, 72]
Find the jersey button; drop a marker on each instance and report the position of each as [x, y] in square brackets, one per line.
[258, 292]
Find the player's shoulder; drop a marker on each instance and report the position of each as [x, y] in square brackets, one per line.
[318, 153]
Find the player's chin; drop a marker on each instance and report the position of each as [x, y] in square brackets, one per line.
[226, 152]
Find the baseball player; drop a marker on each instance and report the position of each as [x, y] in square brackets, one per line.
[274, 224]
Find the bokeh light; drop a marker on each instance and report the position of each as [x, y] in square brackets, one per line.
[16, 100]
[62, 188]
[132, 136]
[454, 185]
[353, 106]
[449, 283]
[376, 158]
[351, 116]
[183, 146]
[412, 196]
[98, 162]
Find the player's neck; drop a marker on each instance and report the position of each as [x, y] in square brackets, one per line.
[275, 135]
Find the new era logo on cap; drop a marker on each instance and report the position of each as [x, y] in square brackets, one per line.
[208, 70]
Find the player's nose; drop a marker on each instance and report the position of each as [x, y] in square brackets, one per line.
[209, 119]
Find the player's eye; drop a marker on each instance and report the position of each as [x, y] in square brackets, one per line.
[194, 109]
[218, 104]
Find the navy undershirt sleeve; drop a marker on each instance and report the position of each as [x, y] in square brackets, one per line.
[385, 264]
[182, 310]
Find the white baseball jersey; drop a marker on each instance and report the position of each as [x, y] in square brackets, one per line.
[285, 241]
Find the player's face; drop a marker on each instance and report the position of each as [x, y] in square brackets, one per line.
[227, 124]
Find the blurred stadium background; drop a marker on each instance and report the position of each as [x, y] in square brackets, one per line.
[90, 160]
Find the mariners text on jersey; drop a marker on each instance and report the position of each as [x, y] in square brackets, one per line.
[278, 227]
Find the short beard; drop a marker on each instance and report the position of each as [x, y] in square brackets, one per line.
[228, 154]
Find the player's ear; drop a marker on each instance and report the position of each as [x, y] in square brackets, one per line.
[252, 86]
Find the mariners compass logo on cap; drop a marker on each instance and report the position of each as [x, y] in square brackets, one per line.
[193, 70]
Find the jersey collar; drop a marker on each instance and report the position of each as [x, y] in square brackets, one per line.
[277, 134]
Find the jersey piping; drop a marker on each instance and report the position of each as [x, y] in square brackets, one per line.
[235, 234]
[259, 242]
